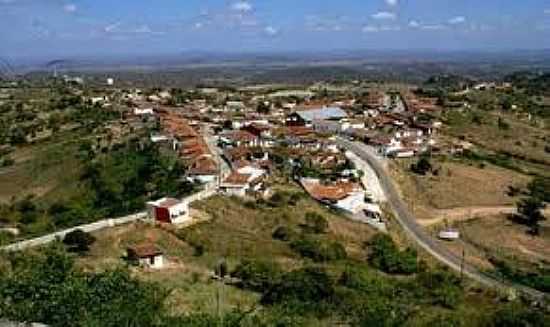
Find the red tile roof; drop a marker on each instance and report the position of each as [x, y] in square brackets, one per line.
[331, 192]
[237, 178]
[204, 165]
[144, 250]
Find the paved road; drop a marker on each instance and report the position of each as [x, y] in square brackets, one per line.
[408, 222]
[211, 141]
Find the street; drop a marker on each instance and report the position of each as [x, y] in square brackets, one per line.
[417, 234]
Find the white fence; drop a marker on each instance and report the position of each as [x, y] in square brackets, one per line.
[209, 190]
[88, 228]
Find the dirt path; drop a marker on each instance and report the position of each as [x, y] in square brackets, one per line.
[467, 213]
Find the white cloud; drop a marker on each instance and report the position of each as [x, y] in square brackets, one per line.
[433, 27]
[242, 6]
[370, 29]
[390, 28]
[457, 20]
[383, 28]
[384, 15]
[70, 7]
[414, 24]
[112, 27]
[392, 2]
[270, 30]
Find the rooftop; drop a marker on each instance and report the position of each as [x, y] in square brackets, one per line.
[144, 250]
[322, 113]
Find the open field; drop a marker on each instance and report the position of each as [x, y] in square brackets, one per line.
[457, 185]
[504, 248]
[523, 143]
[507, 238]
[46, 170]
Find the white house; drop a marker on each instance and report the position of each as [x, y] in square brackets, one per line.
[144, 111]
[243, 181]
[168, 210]
[146, 255]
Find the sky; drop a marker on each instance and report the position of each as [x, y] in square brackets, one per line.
[49, 28]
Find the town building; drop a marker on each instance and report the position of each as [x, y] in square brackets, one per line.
[168, 210]
[306, 117]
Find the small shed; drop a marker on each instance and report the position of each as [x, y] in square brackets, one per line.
[146, 255]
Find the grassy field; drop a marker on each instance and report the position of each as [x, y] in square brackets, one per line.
[236, 231]
[519, 140]
[48, 170]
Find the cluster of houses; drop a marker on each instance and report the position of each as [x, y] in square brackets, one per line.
[246, 140]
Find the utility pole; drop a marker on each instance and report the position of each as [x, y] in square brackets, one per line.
[462, 265]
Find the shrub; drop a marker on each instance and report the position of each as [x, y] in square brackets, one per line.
[385, 256]
[283, 233]
[316, 223]
[317, 250]
[257, 275]
[310, 284]
[514, 315]
[421, 167]
[78, 241]
[442, 287]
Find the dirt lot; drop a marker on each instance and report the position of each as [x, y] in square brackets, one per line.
[457, 185]
[497, 236]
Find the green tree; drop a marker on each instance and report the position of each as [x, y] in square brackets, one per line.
[539, 187]
[310, 284]
[78, 241]
[257, 275]
[530, 209]
[422, 166]
[47, 288]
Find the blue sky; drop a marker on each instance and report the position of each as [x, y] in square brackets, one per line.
[42, 28]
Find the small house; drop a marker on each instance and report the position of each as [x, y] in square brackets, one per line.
[168, 210]
[146, 255]
[144, 111]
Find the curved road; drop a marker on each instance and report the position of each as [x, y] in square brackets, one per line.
[408, 222]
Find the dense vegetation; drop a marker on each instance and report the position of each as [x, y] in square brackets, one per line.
[112, 184]
[48, 288]
[386, 256]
